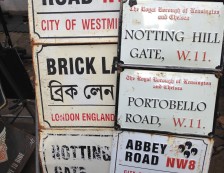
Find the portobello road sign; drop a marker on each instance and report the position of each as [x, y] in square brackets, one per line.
[174, 102]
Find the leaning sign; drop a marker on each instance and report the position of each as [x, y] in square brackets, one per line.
[70, 21]
[142, 152]
[176, 102]
[169, 33]
[75, 85]
[79, 151]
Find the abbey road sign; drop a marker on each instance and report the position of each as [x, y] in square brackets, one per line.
[174, 102]
[169, 33]
[67, 21]
[75, 85]
[141, 152]
[75, 151]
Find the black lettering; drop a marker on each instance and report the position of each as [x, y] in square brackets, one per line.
[82, 148]
[155, 160]
[89, 65]
[104, 70]
[129, 144]
[128, 156]
[146, 146]
[67, 170]
[106, 156]
[71, 66]
[55, 152]
[62, 66]
[163, 148]
[138, 145]
[155, 147]
[57, 169]
[79, 61]
[73, 151]
[51, 70]
[145, 159]
[96, 153]
[137, 157]
[65, 152]
[128, 118]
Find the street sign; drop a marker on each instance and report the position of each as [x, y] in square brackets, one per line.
[70, 21]
[76, 151]
[174, 102]
[141, 152]
[75, 85]
[170, 33]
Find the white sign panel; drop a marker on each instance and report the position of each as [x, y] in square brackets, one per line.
[75, 85]
[69, 21]
[144, 153]
[76, 151]
[181, 103]
[172, 33]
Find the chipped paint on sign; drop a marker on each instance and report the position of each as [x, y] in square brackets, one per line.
[79, 151]
[167, 33]
[134, 152]
[174, 102]
[74, 21]
[75, 85]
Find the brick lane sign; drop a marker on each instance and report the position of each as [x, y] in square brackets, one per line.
[69, 21]
[143, 153]
[172, 33]
[75, 85]
[175, 102]
[79, 151]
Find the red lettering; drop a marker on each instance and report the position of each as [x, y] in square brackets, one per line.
[50, 25]
[100, 23]
[182, 163]
[65, 117]
[191, 165]
[70, 24]
[182, 55]
[178, 122]
[170, 162]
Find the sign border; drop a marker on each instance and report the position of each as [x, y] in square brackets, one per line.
[41, 114]
[64, 134]
[121, 64]
[185, 137]
[85, 37]
[215, 115]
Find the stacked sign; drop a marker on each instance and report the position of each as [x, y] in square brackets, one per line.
[75, 82]
[169, 63]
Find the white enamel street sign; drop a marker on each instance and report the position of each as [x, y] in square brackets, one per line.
[172, 33]
[69, 21]
[175, 102]
[75, 151]
[75, 85]
[143, 153]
